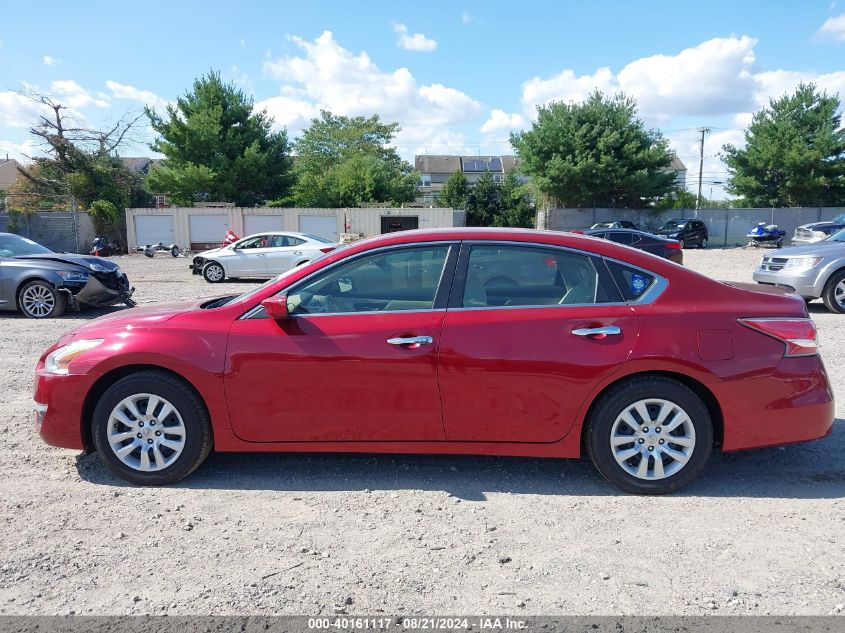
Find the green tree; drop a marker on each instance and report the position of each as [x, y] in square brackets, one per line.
[794, 153]
[104, 215]
[596, 153]
[455, 192]
[679, 198]
[485, 201]
[516, 207]
[217, 148]
[348, 161]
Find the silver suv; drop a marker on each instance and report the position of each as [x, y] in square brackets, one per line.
[813, 271]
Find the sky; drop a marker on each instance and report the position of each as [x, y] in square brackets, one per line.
[457, 76]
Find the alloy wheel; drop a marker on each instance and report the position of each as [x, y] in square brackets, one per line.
[38, 300]
[652, 439]
[146, 432]
[839, 294]
[214, 272]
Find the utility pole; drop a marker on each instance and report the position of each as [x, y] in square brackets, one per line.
[703, 130]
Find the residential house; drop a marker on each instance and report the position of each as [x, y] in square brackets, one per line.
[141, 165]
[679, 169]
[8, 177]
[435, 171]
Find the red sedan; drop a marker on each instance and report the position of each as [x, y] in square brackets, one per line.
[464, 341]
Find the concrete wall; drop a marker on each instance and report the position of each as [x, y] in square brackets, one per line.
[727, 227]
[366, 221]
[58, 230]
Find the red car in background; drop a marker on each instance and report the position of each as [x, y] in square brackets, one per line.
[462, 341]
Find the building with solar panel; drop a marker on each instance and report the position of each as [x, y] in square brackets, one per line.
[435, 171]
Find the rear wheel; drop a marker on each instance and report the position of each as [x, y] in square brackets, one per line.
[833, 294]
[649, 435]
[703, 243]
[40, 300]
[213, 272]
[151, 428]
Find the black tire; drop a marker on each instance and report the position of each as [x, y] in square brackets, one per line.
[213, 273]
[174, 251]
[615, 401]
[703, 243]
[683, 243]
[55, 302]
[829, 292]
[189, 405]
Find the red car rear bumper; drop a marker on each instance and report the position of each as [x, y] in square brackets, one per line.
[794, 404]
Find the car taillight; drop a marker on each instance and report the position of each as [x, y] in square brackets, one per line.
[799, 335]
[675, 245]
[327, 249]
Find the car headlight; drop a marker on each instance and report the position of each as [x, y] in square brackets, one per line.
[98, 268]
[68, 275]
[58, 360]
[797, 264]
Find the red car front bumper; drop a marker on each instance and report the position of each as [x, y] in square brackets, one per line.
[61, 423]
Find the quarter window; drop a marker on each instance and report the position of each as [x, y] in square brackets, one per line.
[505, 276]
[632, 282]
[397, 280]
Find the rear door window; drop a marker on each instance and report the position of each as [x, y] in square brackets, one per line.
[632, 282]
[513, 276]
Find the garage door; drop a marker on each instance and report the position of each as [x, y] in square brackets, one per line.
[261, 224]
[152, 229]
[320, 225]
[207, 231]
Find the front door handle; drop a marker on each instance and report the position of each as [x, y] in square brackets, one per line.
[412, 342]
[597, 332]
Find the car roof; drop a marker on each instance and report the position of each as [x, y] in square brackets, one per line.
[578, 241]
[624, 230]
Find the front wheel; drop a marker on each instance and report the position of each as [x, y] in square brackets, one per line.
[40, 300]
[213, 273]
[833, 294]
[150, 428]
[703, 243]
[649, 435]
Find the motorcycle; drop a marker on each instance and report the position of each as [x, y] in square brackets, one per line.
[103, 247]
[766, 234]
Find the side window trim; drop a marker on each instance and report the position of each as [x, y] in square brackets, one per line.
[605, 279]
[440, 298]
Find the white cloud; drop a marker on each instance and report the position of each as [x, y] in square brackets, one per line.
[242, 42]
[71, 94]
[776, 83]
[501, 121]
[21, 151]
[713, 78]
[415, 42]
[50, 61]
[19, 111]
[328, 76]
[466, 17]
[833, 28]
[131, 93]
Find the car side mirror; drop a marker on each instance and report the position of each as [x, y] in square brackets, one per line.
[276, 307]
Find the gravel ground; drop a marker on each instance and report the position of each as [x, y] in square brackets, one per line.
[759, 532]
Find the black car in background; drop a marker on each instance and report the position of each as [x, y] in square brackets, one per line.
[661, 246]
[687, 231]
[42, 283]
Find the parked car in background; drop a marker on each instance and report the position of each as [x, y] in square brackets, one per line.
[397, 345]
[688, 232]
[817, 231]
[661, 246]
[42, 283]
[618, 224]
[813, 271]
[262, 255]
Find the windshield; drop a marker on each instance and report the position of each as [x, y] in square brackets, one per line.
[249, 294]
[839, 236]
[15, 245]
[672, 225]
[317, 238]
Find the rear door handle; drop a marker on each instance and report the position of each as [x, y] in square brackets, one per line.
[597, 332]
[411, 341]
